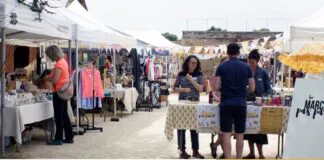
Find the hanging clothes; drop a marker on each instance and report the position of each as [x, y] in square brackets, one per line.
[136, 70]
[151, 72]
[91, 81]
[86, 103]
[147, 65]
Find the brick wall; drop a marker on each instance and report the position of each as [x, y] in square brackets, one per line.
[206, 38]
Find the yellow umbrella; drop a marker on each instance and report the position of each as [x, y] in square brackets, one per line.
[309, 59]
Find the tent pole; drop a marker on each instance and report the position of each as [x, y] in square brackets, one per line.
[77, 84]
[70, 56]
[115, 118]
[282, 75]
[3, 57]
[289, 79]
[274, 70]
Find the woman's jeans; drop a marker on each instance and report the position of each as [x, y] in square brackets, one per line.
[62, 120]
[182, 139]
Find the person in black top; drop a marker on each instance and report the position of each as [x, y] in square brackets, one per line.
[189, 84]
[262, 88]
[235, 78]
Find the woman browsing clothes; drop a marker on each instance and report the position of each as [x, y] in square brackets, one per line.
[189, 84]
[262, 88]
[58, 77]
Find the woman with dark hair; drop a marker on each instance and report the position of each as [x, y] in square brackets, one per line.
[262, 88]
[189, 84]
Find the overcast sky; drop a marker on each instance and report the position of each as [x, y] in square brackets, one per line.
[177, 15]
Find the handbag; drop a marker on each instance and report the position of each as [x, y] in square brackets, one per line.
[66, 92]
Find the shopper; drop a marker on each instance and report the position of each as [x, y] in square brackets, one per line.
[234, 76]
[262, 88]
[216, 96]
[108, 63]
[58, 77]
[189, 84]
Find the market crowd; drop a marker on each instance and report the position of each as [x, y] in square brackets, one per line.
[234, 83]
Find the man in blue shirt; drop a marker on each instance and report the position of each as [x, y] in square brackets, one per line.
[234, 76]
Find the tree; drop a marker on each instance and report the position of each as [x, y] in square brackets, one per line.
[262, 30]
[170, 36]
[216, 29]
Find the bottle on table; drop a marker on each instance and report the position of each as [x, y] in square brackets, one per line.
[210, 98]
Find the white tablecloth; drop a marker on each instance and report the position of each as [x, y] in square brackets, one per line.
[16, 117]
[127, 95]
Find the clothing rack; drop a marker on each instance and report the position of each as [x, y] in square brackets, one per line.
[93, 127]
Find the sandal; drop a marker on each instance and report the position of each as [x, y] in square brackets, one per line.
[184, 155]
[197, 155]
[222, 156]
[213, 150]
[250, 156]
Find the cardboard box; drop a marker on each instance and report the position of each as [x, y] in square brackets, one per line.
[271, 120]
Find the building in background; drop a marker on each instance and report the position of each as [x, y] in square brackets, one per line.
[215, 38]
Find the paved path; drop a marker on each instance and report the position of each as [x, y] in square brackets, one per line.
[136, 136]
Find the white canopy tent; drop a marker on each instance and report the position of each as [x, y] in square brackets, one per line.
[88, 29]
[153, 38]
[29, 26]
[305, 32]
[17, 21]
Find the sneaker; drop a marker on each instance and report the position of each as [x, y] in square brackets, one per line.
[55, 142]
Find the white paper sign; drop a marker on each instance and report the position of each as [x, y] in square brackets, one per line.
[306, 121]
[207, 118]
[253, 116]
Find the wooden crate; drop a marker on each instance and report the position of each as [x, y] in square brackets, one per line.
[271, 120]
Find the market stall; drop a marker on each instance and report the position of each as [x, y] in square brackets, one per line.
[190, 115]
[128, 96]
[16, 117]
[19, 22]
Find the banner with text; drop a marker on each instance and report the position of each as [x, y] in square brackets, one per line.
[207, 118]
[306, 120]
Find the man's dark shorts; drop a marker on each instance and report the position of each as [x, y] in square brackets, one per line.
[228, 114]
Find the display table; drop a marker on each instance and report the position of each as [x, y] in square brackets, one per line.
[183, 115]
[127, 95]
[16, 117]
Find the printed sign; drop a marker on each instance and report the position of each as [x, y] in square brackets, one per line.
[207, 118]
[253, 116]
[306, 120]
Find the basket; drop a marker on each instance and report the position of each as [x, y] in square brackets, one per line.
[271, 120]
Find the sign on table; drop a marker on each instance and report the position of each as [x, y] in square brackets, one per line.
[253, 116]
[306, 120]
[207, 118]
